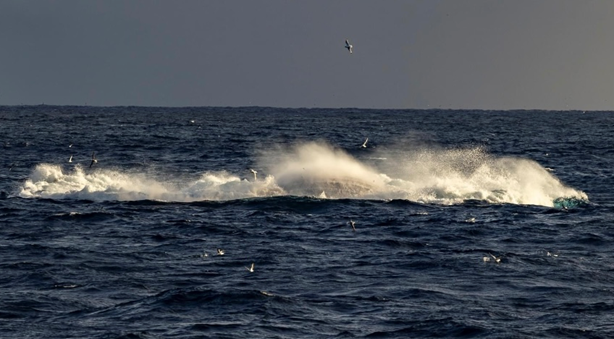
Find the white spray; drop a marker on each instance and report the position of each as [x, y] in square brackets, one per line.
[320, 170]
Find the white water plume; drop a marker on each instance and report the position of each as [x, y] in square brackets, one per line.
[453, 176]
[316, 167]
[320, 170]
[51, 181]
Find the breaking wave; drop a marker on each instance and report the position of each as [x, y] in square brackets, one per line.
[321, 170]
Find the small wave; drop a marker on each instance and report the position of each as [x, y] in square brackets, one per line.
[321, 171]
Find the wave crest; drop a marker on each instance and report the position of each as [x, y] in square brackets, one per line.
[320, 170]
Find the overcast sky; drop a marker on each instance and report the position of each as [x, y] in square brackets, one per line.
[485, 54]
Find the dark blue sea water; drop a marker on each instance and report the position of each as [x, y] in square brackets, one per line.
[479, 224]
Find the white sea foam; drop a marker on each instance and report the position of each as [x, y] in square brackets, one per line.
[51, 181]
[321, 170]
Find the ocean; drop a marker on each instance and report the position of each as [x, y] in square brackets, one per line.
[358, 223]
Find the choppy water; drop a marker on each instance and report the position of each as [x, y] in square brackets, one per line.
[126, 248]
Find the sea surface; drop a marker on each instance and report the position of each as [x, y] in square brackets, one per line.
[448, 223]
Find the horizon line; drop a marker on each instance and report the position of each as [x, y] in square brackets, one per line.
[315, 108]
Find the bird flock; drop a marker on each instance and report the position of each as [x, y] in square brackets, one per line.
[489, 258]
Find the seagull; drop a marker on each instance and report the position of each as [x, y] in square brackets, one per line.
[364, 144]
[352, 223]
[251, 269]
[253, 171]
[70, 145]
[70, 159]
[94, 161]
[497, 259]
[205, 254]
[348, 46]
[220, 251]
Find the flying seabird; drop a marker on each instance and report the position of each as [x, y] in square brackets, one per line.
[251, 269]
[364, 144]
[220, 251]
[94, 161]
[352, 223]
[70, 159]
[497, 259]
[254, 172]
[348, 46]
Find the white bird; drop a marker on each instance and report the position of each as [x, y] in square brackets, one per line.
[70, 145]
[254, 172]
[94, 161]
[251, 269]
[497, 259]
[205, 254]
[364, 144]
[70, 159]
[352, 223]
[220, 251]
[348, 46]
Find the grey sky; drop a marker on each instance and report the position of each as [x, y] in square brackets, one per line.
[489, 54]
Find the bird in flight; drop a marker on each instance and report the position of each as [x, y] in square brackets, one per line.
[220, 251]
[251, 269]
[352, 223]
[364, 144]
[254, 172]
[70, 159]
[348, 46]
[94, 161]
